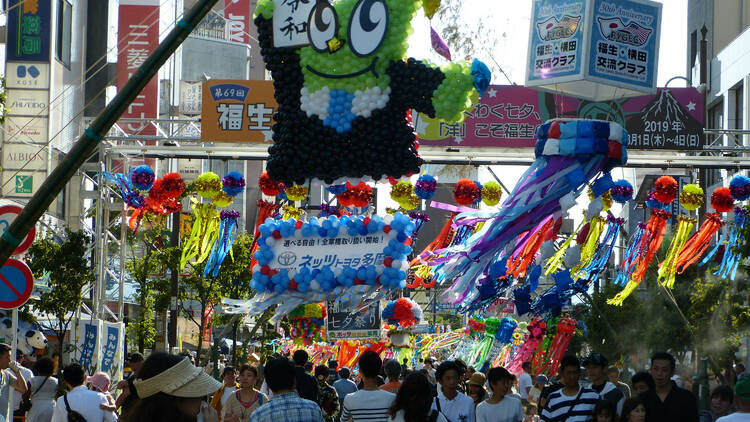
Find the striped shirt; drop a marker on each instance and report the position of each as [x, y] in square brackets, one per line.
[573, 408]
[367, 405]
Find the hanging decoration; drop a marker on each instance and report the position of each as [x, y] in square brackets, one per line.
[343, 99]
[228, 228]
[467, 192]
[402, 312]
[731, 239]
[142, 177]
[268, 186]
[439, 45]
[296, 193]
[537, 329]
[697, 245]
[307, 323]
[691, 199]
[208, 185]
[205, 231]
[600, 259]
[233, 183]
[491, 193]
[425, 187]
[622, 191]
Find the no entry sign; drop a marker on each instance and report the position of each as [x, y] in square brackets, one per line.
[16, 284]
[8, 213]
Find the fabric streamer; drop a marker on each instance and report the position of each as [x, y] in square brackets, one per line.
[205, 232]
[439, 45]
[732, 240]
[223, 245]
[599, 261]
[569, 153]
[691, 199]
[589, 246]
[527, 249]
[553, 264]
[698, 243]
[563, 335]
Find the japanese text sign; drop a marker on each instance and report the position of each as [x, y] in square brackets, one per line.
[87, 341]
[237, 111]
[507, 117]
[290, 21]
[594, 49]
[112, 346]
[137, 38]
[357, 324]
[339, 252]
[237, 16]
[29, 30]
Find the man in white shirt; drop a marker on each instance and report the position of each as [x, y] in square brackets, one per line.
[369, 404]
[10, 377]
[455, 406]
[80, 399]
[525, 382]
[27, 375]
[500, 407]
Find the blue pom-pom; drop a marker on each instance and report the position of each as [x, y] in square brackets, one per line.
[142, 177]
[622, 191]
[233, 183]
[739, 187]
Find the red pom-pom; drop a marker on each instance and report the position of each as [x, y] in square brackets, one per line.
[172, 206]
[361, 194]
[721, 200]
[346, 199]
[665, 189]
[157, 194]
[466, 192]
[403, 313]
[269, 186]
[173, 185]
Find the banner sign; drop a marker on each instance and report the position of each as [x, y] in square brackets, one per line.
[556, 38]
[27, 75]
[339, 252]
[29, 23]
[190, 97]
[137, 38]
[290, 21]
[362, 324]
[507, 117]
[112, 361]
[237, 111]
[88, 343]
[237, 17]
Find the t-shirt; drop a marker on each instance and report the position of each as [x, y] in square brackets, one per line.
[576, 408]
[609, 392]
[460, 409]
[680, 405]
[367, 405]
[392, 386]
[7, 379]
[524, 382]
[735, 417]
[400, 417]
[509, 409]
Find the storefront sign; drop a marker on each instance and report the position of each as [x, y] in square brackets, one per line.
[26, 129]
[190, 98]
[357, 325]
[24, 156]
[27, 75]
[29, 23]
[22, 184]
[237, 17]
[507, 117]
[27, 102]
[237, 111]
[189, 169]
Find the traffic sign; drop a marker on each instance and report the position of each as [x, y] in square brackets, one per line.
[16, 284]
[8, 213]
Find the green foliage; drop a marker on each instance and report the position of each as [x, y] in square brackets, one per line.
[613, 330]
[69, 271]
[3, 109]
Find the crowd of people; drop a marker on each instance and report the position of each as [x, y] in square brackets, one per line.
[167, 387]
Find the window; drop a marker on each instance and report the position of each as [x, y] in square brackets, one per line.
[738, 108]
[716, 117]
[693, 47]
[64, 26]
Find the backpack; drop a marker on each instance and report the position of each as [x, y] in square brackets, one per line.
[73, 416]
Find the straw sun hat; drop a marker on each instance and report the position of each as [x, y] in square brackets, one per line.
[181, 380]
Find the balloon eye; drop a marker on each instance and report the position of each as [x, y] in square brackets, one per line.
[323, 25]
[368, 26]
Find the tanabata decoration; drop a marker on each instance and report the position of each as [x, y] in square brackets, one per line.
[697, 245]
[537, 329]
[691, 199]
[467, 192]
[296, 193]
[549, 358]
[739, 187]
[569, 153]
[476, 326]
[172, 185]
[204, 233]
[208, 185]
[637, 260]
[233, 183]
[425, 187]
[129, 195]
[142, 177]
[527, 248]
[268, 186]
[600, 259]
[223, 244]
[343, 100]
[491, 193]
[732, 240]
[622, 191]
[497, 334]
[307, 322]
[403, 314]
[222, 200]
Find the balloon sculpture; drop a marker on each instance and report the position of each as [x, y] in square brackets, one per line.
[343, 99]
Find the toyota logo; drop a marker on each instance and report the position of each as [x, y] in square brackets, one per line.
[287, 258]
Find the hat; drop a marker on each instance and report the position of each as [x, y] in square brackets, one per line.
[135, 357]
[742, 388]
[597, 359]
[100, 381]
[181, 380]
[541, 379]
[477, 378]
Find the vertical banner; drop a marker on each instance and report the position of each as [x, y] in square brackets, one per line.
[137, 38]
[87, 344]
[113, 349]
[28, 31]
[208, 329]
[237, 16]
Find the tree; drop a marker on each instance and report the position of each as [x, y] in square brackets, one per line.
[206, 292]
[69, 271]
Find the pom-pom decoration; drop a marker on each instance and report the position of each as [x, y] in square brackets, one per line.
[652, 202]
[336, 189]
[361, 194]
[296, 193]
[268, 186]
[411, 202]
[402, 312]
[336, 101]
[233, 183]
[721, 200]
[665, 189]
[692, 197]
[466, 192]
[622, 191]
[491, 193]
[142, 177]
[172, 185]
[739, 187]
[222, 200]
[401, 191]
[425, 187]
[208, 184]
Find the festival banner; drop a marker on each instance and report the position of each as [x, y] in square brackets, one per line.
[112, 359]
[137, 38]
[508, 115]
[357, 325]
[87, 345]
[237, 16]
[556, 39]
[237, 111]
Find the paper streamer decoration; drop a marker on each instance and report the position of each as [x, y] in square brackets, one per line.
[223, 245]
[439, 45]
[691, 199]
[205, 231]
[600, 259]
[537, 329]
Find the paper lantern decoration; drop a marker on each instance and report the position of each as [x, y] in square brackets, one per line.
[491, 193]
[721, 200]
[233, 183]
[692, 197]
[268, 186]
[739, 187]
[208, 184]
[622, 191]
[466, 192]
[296, 193]
[142, 177]
[344, 98]
[665, 189]
[425, 187]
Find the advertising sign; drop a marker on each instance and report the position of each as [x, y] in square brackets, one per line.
[27, 75]
[190, 98]
[594, 49]
[342, 251]
[24, 156]
[357, 325]
[507, 117]
[26, 129]
[29, 23]
[237, 17]
[137, 37]
[22, 184]
[27, 102]
[237, 111]
[290, 22]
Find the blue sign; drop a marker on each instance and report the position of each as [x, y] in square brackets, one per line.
[229, 92]
[89, 347]
[29, 23]
[556, 39]
[625, 41]
[113, 337]
[16, 284]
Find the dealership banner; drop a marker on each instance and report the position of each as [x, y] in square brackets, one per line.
[507, 116]
[137, 38]
[236, 110]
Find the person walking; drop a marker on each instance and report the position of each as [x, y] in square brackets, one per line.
[43, 387]
[228, 387]
[633, 410]
[328, 399]
[243, 402]
[477, 392]
[500, 407]
[369, 404]
[413, 401]
[667, 402]
[286, 405]
[572, 402]
[525, 382]
[393, 372]
[741, 402]
[454, 405]
[306, 384]
[596, 366]
[80, 399]
[613, 373]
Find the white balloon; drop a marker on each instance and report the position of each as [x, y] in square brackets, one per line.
[256, 268]
[405, 265]
[337, 272]
[391, 234]
[388, 219]
[314, 285]
[270, 242]
[298, 234]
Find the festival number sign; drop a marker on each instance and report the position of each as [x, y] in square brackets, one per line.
[508, 116]
[237, 111]
[354, 325]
